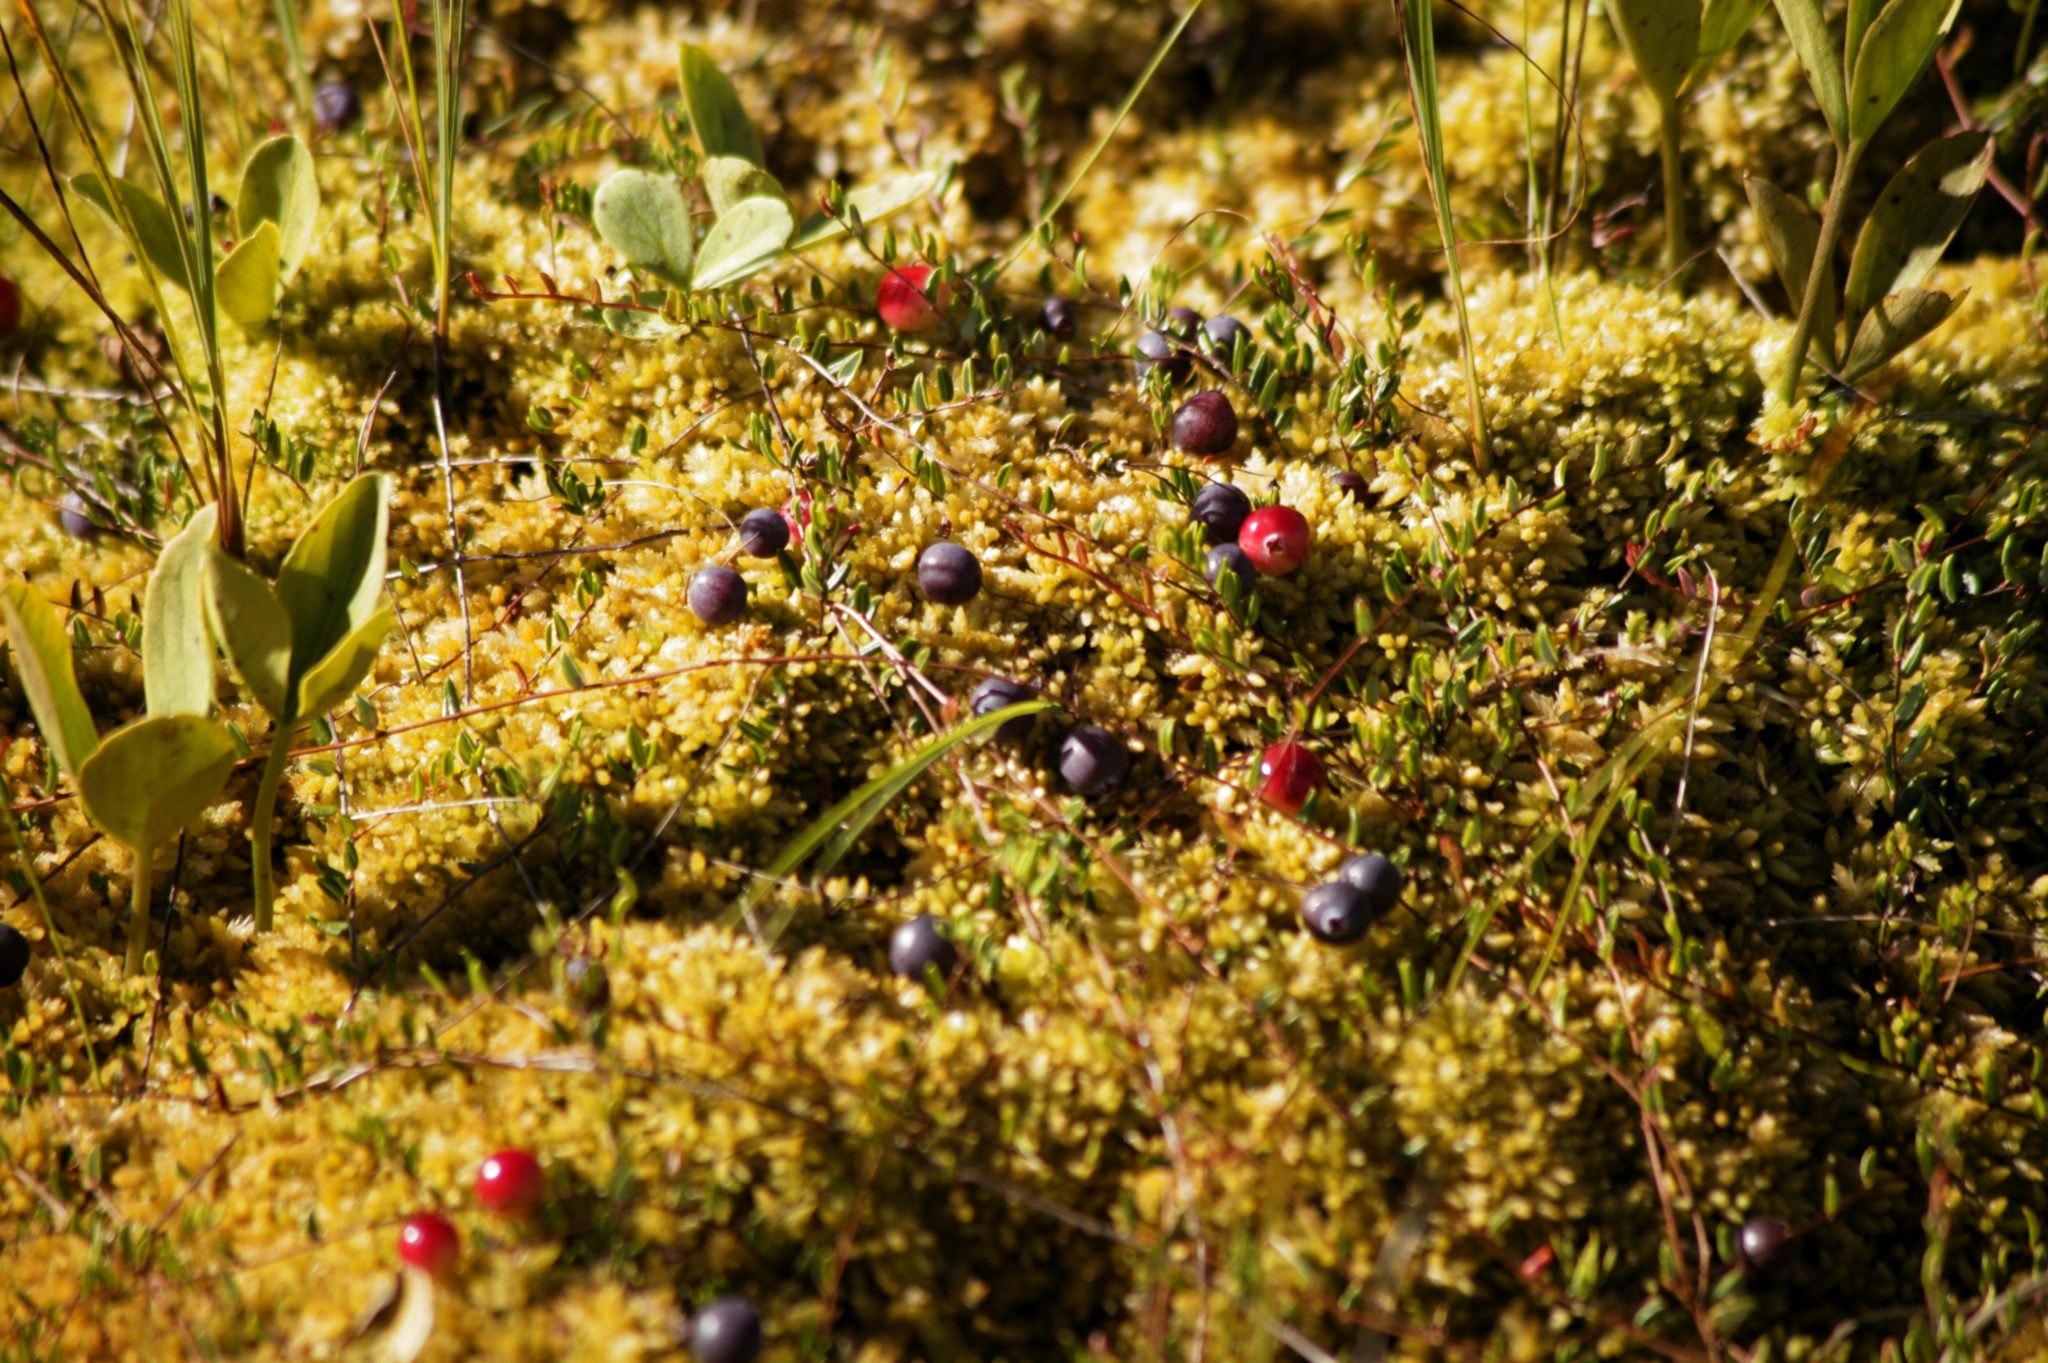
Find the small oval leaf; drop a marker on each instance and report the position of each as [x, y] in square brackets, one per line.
[253, 630]
[329, 681]
[644, 218]
[248, 281]
[1894, 52]
[177, 652]
[717, 117]
[333, 578]
[633, 323]
[1662, 38]
[42, 655]
[1916, 217]
[278, 185]
[151, 778]
[1790, 234]
[729, 179]
[1896, 322]
[156, 236]
[743, 241]
[874, 202]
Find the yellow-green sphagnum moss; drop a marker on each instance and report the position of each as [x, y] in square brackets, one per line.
[1149, 1116]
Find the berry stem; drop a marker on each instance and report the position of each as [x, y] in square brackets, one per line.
[138, 910]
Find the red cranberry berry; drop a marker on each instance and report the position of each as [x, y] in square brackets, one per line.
[949, 574]
[727, 1331]
[1221, 509]
[718, 595]
[1205, 424]
[1276, 537]
[1336, 914]
[13, 956]
[908, 301]
[428, 1242]
[1060, 317]
[1288, 773]
[764, 532]
[1093, 760]
[510, 1181]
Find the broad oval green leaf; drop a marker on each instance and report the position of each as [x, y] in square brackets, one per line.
[1894, 52]
[1662, 38]
[42, 655]
[177, 651]
[156, 235]
[1790, 235]
[644, 218]
[151, 778]
[332, 679]
[1916, 217]
[743, 241]
[1807, 26]
[1722, 26]
[253, 630]
[717, 117]
[333, 578]
[248, 281]
[873, 202]
[729, 179]
[1896, 322]
[278, 185]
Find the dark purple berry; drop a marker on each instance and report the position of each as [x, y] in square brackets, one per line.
[999, 693]
[1336, 914]
[1378, 879]
[727, 1331]
[1059, 317]
[13, 956]
[918, 946]
[1205, 424]
[1237, 560]
[1352, 485]
[1764, 1246]
[74, 517]
[1093, 760]
[949, 574]
[1223, 332]
[763, 532]
[335, 106]
[1221, 509]
[1183, 324]
[718, 595]
[1157, 351]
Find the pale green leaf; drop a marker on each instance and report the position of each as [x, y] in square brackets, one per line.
[747, 238]
[251, 626]
[177, 651]
[156, 232]
[729, 179]
[635, 325]
[644, 218]
[1818, 53]
[332, 679]
[1790, 235]
[151, 778]
[333, 578]
[1892, 56]
[873, 202]
[42, 655]
[1861, 12]
[1896, 322]
[248, 281]
[1662, 38]
[716, 115]
[1722, 26]
[1916, 217]
[278, 185]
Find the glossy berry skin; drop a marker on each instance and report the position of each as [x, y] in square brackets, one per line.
[1352, 485]
[1764, 1246]
[1221, 508]
[1093, 760]
[998, 693]
[1060, 317]
[1276, 537]
[1221, 333]
[763, 532]
[75, 519]
[428, 1242]
[907, 301]
[1205, 424]
[335, 107]
[1288, 774]
[13, 956]
[510, 1181]
[1157, 351]
[1335, 914]
[948, 573]
[1229, 556]
[726, 1331]
[1378, 879]
[1183, 324]
[718, 595]
[918, 946]
[10, 307]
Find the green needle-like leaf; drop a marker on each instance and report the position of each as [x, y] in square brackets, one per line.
[644, 218]
[278, 185]
[743, 241]
[717, 117]
[42, 655]
[177, 652]
[151, 778]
